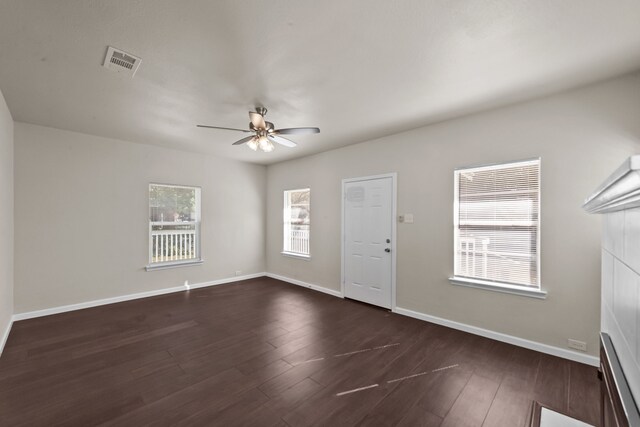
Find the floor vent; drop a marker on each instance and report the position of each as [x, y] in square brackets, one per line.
[121, 62]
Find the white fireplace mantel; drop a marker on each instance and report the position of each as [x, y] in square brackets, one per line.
[618, 198]
[620, 191]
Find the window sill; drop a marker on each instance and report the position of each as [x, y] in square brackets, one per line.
[173, 264]
[498, 287]
[295, 255]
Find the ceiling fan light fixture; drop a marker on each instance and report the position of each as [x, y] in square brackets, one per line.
[264, 144]
[253, 144]
[270, 147]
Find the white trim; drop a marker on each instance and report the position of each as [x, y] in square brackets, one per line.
[394, 237]
[122, 298]
[619, 191]
[226, 280]
[296, 255]
[160, 184]
[498, 287]
[173, 264]
[539, 231]
[521, 342]
[342, 239]
[332, 292]
[489, 166]
[197, 229]
[394, 225]
[287, 210]
[5, 336]
[498, 336]
[456, 217]
[94, 303]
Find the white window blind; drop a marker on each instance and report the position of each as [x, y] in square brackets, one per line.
[497, 223]
[296, 221]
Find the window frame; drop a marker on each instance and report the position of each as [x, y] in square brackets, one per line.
[197, 228]
[286, 205]
[535, 291]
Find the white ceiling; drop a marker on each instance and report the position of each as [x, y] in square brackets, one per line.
[357, 69]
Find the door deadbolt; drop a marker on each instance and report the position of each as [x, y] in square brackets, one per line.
[388, 240]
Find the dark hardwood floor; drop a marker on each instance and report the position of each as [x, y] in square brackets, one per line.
[267, 353]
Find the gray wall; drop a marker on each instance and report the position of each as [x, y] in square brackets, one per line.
[81, 227]
[81, 211]
[6, 216]
[581, 137]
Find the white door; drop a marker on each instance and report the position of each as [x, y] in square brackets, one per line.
[368, 232]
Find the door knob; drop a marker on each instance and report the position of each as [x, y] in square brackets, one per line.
[387, 250]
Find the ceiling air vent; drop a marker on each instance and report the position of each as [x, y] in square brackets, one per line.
[121, 62]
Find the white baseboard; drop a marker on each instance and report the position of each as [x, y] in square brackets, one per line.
[498, 336]
[105, 301]
[521, 342]
[94, 303]
[224, 281]
[306, 285]
[5, 335]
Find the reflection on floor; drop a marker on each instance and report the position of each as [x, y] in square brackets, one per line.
[549, 418]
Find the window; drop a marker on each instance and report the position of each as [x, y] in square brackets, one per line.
[296, 218]
[174, 225]
[496, 222]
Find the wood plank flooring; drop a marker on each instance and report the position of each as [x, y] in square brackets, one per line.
[266, 353]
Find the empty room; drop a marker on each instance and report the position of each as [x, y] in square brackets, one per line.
[341, 213]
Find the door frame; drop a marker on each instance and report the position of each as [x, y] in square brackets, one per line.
[394, 216]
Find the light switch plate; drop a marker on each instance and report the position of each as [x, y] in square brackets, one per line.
[408, 218]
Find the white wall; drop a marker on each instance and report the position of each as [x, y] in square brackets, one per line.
[6, 219]
[81, 229]
[621, 290]
[581, 137]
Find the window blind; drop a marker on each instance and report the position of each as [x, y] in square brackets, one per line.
[497, 223]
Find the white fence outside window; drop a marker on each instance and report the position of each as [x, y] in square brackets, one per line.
[171, 244]
[298, 241]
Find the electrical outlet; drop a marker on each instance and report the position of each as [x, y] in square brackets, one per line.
[238, 272]
[577, 345]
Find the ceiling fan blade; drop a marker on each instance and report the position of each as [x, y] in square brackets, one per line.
[244, 140]
[282, 141]
[295, 131]
[218, 127]
[257, 120]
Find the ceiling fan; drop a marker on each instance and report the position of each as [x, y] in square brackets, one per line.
[264, 133]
